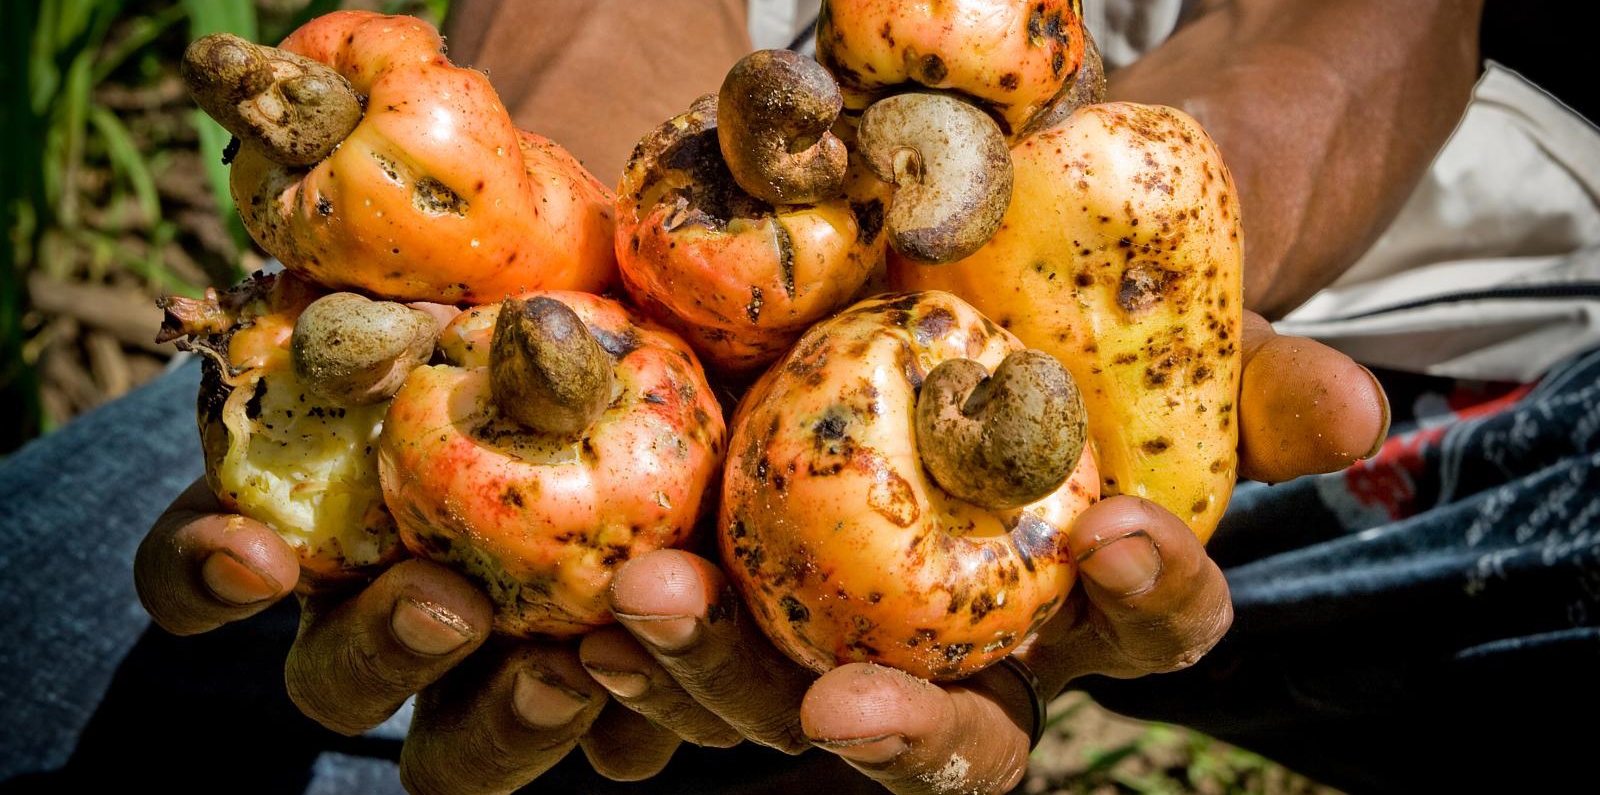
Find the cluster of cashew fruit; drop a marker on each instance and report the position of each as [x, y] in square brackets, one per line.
[535, 436]
[901, 473]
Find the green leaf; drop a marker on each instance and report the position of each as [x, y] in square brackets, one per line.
[127, 160]
[141, 32]
[222, 16]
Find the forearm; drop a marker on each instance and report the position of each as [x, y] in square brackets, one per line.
[1327, 114]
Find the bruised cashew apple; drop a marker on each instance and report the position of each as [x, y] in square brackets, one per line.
[365, 159]
[1121, 255]
[283, 445]
[899, 488]
[740, 278]
[562, 438]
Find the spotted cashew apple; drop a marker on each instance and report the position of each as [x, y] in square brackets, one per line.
[942, 90]
[742, 277]
[364, 159]
[1121, 255]
[899, 488]
[561, 438]
[293, 446]
[1016, 59]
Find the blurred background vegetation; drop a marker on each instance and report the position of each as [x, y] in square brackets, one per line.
[113, 193]
[112, 190]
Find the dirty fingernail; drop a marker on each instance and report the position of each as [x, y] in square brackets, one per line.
[622, 684]
[666, 633]
[427, 627]
[1125, 565]
[544, 703]
[234, 581]
[868, 750]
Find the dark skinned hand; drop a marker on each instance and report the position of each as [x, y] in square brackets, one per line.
[685, 661]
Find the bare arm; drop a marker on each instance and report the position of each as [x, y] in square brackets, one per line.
[1326, 112]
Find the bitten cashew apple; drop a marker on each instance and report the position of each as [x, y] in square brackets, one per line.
[281, 444]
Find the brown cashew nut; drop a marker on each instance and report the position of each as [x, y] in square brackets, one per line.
[1001, 441]
[546, 370]
[296, 109]
[355, 351]
[774, 112]
[952, 171]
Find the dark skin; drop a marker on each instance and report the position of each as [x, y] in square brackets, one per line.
[1335, 108]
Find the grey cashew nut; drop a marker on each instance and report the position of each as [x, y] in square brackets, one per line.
[774, 114]
[952, 171]
[296, 109]
[1001, 441]
[355, 351]
[546, 369]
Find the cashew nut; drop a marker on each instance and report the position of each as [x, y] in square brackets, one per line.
[295, 108]
[1000, 441]
[546, 370]
[951, 167]
[355, 351]
[774, 114]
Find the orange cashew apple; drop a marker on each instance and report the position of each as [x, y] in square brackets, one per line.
[291, 445]
[899, 488]
[739, 277]
[365, 159]
[562, 438]
[1121, 255]
[1016, 59]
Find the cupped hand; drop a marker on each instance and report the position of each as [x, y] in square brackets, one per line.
[491, 714]
[1151, 600]
[686, 663]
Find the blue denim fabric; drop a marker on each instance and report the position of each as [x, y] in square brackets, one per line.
[1428, 622]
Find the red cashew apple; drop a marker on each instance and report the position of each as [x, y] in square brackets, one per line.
[562, 437]
[899, 487]
[366, 160]
[738, 276]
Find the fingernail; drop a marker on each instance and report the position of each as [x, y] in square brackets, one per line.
[236, 582]
[666, 633]
[868, 750]
[1126, 564]
[1383, 432]
[622, 684]
[427, 627]
[545, 703]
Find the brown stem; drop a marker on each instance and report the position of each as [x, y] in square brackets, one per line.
[296, 109]
[546, 370]
[1002, 441]
[774, 114]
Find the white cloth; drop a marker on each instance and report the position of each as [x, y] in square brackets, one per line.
[1492, 268]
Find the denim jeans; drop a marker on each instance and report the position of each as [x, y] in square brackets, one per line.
[1425, 621]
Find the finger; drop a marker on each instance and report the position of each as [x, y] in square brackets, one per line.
[625, 668]
[1152, 599]
[917, 738]
[682, 611]
[623, 745]
[354, 663]
[499, 720]
[200, 568]
[1304, 408]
